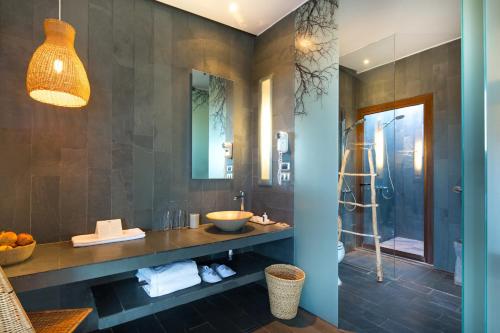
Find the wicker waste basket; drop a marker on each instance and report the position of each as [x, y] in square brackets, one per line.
[284, 285]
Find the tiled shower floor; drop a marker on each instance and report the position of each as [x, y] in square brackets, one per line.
[414, 297]
[407, 245]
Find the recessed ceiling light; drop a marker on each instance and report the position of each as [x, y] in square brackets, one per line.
[366, 61]
[233, 7]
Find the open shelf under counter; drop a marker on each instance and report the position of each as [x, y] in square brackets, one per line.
[55, 264]
[125, 300]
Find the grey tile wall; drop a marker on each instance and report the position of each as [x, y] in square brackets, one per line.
[274, 55]
[435, 71]
[348, 96]
[127, 153]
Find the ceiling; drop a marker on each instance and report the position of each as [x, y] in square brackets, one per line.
[373, 33]
[253, 16]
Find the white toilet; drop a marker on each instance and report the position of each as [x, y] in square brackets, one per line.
[341, 255]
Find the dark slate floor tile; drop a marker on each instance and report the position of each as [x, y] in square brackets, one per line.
[439, 280]
[363, 318]
[180, 319]
[203, 328]
[415, 287]
[446, 300]
[434, 309]
[235, 313]
[394, 327]
[244, 322]
[420, 322]
[346, 325]
[408, 303]
[253, 300]
[372, 330]
[211, 314]
[453, 324]
[147, 324]
[225, 313]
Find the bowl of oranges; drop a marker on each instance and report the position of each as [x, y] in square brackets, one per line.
[15, 248]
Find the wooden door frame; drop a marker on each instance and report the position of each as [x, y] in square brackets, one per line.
[427, 101]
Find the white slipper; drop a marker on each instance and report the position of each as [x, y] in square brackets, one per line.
[223, 270]
[208, 275]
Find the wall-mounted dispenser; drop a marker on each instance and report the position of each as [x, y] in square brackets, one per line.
[228, 150]
[282, 144]
[282, 147]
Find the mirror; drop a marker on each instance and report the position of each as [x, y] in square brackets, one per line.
[211, 126]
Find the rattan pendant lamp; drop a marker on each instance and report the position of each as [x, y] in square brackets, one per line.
[55, 73]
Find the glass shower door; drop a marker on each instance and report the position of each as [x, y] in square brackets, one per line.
[398, 135]
[366, 79]
[379, 129]
[409, 179]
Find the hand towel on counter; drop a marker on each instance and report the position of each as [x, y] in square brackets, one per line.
[172, 286]
[167, 273]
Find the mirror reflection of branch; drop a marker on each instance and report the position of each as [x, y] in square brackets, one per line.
[217, 88]
[314, 50]
[199, 98]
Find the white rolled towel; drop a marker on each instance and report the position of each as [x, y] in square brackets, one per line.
[184, 282]
[167, 273]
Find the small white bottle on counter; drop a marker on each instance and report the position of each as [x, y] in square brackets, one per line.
[194, 221]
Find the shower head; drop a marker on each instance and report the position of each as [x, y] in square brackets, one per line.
[401, 116]
[357, 123]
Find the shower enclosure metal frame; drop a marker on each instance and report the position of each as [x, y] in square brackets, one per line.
[427, 101]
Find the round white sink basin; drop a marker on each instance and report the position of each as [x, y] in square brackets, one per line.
[231, 220]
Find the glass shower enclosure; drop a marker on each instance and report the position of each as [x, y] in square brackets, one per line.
[399, 132]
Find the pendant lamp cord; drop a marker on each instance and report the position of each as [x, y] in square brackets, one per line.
[59, 10]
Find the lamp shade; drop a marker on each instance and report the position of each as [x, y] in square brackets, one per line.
[55, 73]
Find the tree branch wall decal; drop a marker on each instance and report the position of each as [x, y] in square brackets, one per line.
[314, 50]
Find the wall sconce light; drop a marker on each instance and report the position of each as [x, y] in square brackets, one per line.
[265, 132]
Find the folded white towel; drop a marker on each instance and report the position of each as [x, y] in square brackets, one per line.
[174, 285]
[167, 273]
[159, 282]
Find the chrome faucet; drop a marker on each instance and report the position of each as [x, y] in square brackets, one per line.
[241, 197]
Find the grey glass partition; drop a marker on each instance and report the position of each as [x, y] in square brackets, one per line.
[366, 81]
